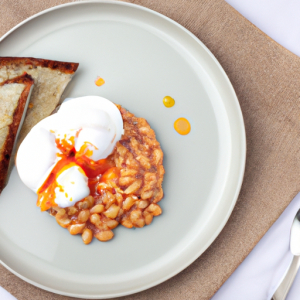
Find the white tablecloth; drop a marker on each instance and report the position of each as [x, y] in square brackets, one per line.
[258, 276]
[4, 295]
[260, 273]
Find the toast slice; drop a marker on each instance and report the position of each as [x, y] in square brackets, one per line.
[50, 79]
[14, 99]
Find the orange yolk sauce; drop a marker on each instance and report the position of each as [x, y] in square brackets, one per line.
[168, 101]
[99, 81]
[96, 171]
[182, 126]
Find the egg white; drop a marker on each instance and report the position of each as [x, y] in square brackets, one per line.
[74, 187]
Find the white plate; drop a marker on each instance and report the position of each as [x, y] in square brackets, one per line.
[143, 56]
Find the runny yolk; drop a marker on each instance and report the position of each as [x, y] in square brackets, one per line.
[94, 170]
[84, 150]
[182, 126]
[168, 101]
[99, 81]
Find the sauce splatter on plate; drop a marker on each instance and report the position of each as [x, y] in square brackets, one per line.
[168, 101]
[99, 81]
[182, 126]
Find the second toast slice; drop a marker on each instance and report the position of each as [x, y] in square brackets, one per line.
[14, 99]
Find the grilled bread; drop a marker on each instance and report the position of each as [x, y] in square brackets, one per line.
[14, 98]
[50, 79]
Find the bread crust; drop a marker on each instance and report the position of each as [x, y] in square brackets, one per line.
[6, 154]
[64, 67]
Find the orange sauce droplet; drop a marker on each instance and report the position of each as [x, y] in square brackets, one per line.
[182, 126]
[168, 101]
[99, 81]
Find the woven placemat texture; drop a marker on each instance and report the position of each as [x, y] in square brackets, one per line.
[266, 78]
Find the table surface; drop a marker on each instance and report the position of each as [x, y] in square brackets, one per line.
[267, 80]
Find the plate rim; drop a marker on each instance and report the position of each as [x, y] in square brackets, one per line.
[242, 140]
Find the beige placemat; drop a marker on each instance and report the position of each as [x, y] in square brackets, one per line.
[266, 78]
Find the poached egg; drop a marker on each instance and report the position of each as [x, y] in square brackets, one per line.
[63, 150]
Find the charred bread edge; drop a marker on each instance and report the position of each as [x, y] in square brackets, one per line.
[64, 67]
[15, 126]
